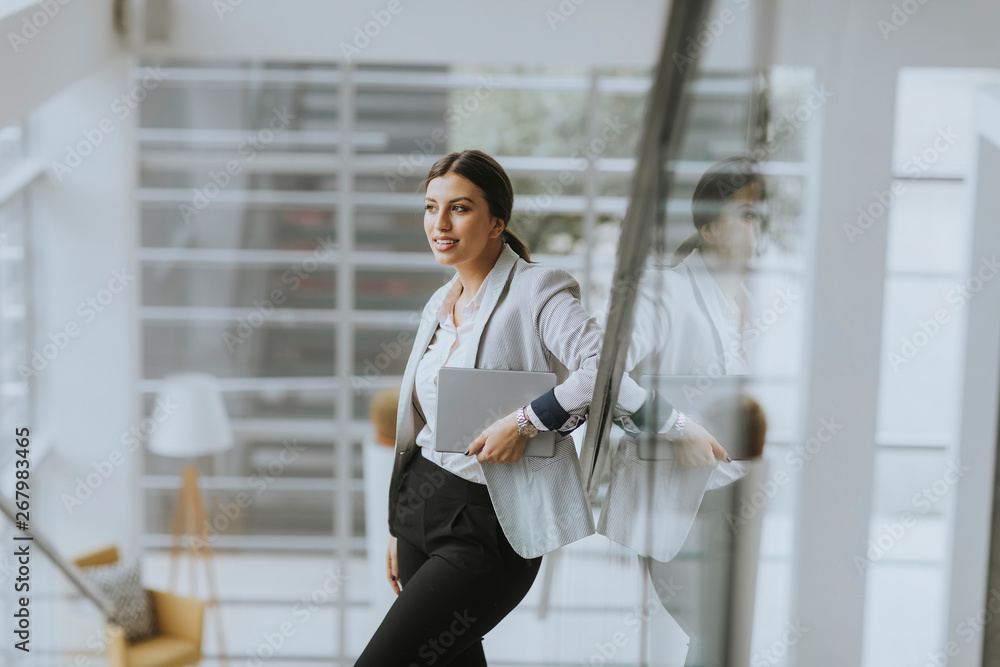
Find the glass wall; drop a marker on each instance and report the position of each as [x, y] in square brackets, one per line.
[718, 331]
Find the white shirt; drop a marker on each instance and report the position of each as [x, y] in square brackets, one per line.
[684, 325]
[445, 348]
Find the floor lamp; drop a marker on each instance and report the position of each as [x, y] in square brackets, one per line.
[199, 426]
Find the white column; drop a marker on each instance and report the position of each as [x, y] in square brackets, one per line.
[971, 510]
[843, 334]
[84, 236]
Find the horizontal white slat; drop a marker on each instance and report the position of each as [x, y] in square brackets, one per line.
[231, 139]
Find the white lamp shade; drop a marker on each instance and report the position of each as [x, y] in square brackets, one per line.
[197, 423]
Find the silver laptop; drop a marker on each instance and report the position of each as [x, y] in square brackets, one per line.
[713, 402]
[470, 399]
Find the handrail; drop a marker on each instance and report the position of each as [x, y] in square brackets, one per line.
[661, 122]
[20, 176]
[71, 571]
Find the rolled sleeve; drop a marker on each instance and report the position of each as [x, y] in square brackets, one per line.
[655, 415]
[546, 413]
[533, 418]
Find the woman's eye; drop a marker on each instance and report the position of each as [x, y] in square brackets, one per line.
[459, 208]
[429, 207]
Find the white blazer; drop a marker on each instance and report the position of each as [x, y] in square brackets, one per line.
[531, 319]
[651, 505]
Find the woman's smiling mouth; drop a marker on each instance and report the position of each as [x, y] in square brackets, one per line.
[443, 243]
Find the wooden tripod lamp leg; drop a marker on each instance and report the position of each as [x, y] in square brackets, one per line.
[205, 551]
[180, 514]
[191, 521]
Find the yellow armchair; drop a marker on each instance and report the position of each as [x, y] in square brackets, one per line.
[179, 619]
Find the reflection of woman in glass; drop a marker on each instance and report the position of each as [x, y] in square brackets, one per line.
[691, 319]
[729, 218]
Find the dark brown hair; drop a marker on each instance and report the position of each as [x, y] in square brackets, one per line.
[715, 186]
[486, 174]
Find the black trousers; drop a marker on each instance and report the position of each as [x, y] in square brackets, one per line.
[459, 575]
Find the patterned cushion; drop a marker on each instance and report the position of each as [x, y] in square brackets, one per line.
[121, 583]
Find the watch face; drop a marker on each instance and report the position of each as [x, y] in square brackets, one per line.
[524, 425]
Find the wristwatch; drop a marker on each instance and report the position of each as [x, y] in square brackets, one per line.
[676, 431]
[524, 425]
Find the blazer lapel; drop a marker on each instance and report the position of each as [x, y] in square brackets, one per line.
[709, 294]
[495, 283]
[406, 414]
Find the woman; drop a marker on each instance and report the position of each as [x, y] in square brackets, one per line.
[691, 319]
[469, 530]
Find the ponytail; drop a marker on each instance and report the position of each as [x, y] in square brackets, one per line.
[687, 246]
[517, 245]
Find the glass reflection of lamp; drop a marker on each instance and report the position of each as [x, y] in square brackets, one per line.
[199, 426]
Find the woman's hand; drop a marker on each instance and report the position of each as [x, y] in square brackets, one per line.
[500, 442]
[392, 566]
[698, 448]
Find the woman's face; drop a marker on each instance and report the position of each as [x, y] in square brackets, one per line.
[457, 221]
[736, 234]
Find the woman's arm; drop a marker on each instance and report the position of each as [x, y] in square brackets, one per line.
[575, 338]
